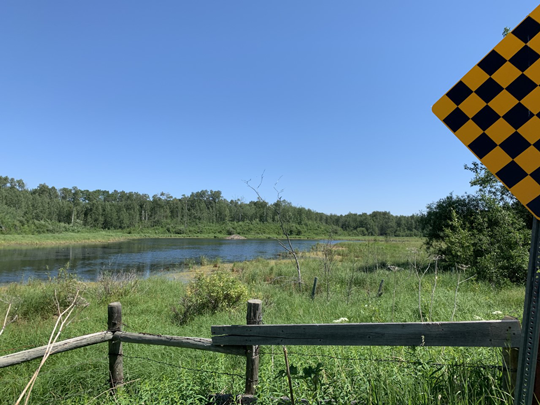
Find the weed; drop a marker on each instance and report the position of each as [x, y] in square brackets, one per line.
[209, 294]
[189, 263]
[203, 260]
[42, 298]
[344, 375]
[116, 284]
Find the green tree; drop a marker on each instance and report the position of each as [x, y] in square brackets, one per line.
[486, 232]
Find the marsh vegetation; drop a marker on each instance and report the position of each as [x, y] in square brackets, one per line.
[349, 290]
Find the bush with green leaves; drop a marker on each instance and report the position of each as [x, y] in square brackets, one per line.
[488, 232]
[493, 242]
[208, 294]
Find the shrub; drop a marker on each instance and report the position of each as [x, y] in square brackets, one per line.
[116, 284]
[492, 239]
[189, 263]
[66, 285]
[209, 294]
[41, 299]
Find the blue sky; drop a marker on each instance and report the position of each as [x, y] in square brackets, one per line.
[331, 97]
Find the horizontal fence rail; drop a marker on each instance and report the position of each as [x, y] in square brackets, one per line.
[177, 341]
[505, 333]
[58, 347]
[244, 340]
[127, 337]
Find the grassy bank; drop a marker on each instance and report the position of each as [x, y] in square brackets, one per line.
[349, 279]
[63, 238]
[88, 237]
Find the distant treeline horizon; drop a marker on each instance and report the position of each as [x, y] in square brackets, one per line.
[46, 209]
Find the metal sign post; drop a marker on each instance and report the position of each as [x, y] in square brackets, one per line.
[495, 111]
[528, 352]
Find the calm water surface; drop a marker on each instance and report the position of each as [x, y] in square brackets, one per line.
[146, 256]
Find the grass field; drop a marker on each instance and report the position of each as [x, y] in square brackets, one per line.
[349, 278]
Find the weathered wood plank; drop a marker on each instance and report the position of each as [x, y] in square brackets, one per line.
[116, 359]
[253, 317]
[178, 341]
[465, 334]
[59, 347]
[510, 357]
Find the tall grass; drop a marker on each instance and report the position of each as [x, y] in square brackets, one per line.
[367, 375]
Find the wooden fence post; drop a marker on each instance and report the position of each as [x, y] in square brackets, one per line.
[114, 324]
[314, 289]
[254, 317]
[510, 364]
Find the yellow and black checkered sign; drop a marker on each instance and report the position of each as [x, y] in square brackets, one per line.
[495, 111]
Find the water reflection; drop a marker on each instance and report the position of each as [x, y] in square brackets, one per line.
[146, 256]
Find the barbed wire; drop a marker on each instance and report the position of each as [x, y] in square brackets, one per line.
[182, 367]
[391, 360]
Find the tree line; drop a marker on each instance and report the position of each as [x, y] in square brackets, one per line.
[46, 209]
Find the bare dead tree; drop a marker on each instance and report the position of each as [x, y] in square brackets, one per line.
[277, 207]
[328, 264]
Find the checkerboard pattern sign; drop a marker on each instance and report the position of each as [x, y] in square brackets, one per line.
[495, 111]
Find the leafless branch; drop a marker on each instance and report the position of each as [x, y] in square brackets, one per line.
[278, 191]
[6, 319]
[256, 190]
[456, 292]
[436, 258]
[420, 277]
[262, 178]
[277, 207]
[55, 334]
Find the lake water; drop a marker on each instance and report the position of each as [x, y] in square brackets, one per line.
[146, 256]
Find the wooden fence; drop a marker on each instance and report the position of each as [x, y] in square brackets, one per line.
[244, 340]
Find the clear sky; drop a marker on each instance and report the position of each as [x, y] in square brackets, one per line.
[331, 97]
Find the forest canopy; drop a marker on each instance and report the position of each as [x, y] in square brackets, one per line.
[46, 209]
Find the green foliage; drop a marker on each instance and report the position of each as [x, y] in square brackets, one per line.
[203, 260]
[44, 299]
[494, 243]
[486, 232]
[10, 220]
[48, 210]
[489, 186]
[209, 294]
[313, 375]
[328, 374]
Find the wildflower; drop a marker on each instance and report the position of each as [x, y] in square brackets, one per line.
[341, 320]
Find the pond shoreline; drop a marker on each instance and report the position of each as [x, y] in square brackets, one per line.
[146, 256]
[62, 239]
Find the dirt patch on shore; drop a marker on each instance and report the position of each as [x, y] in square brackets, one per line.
[235, 237]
